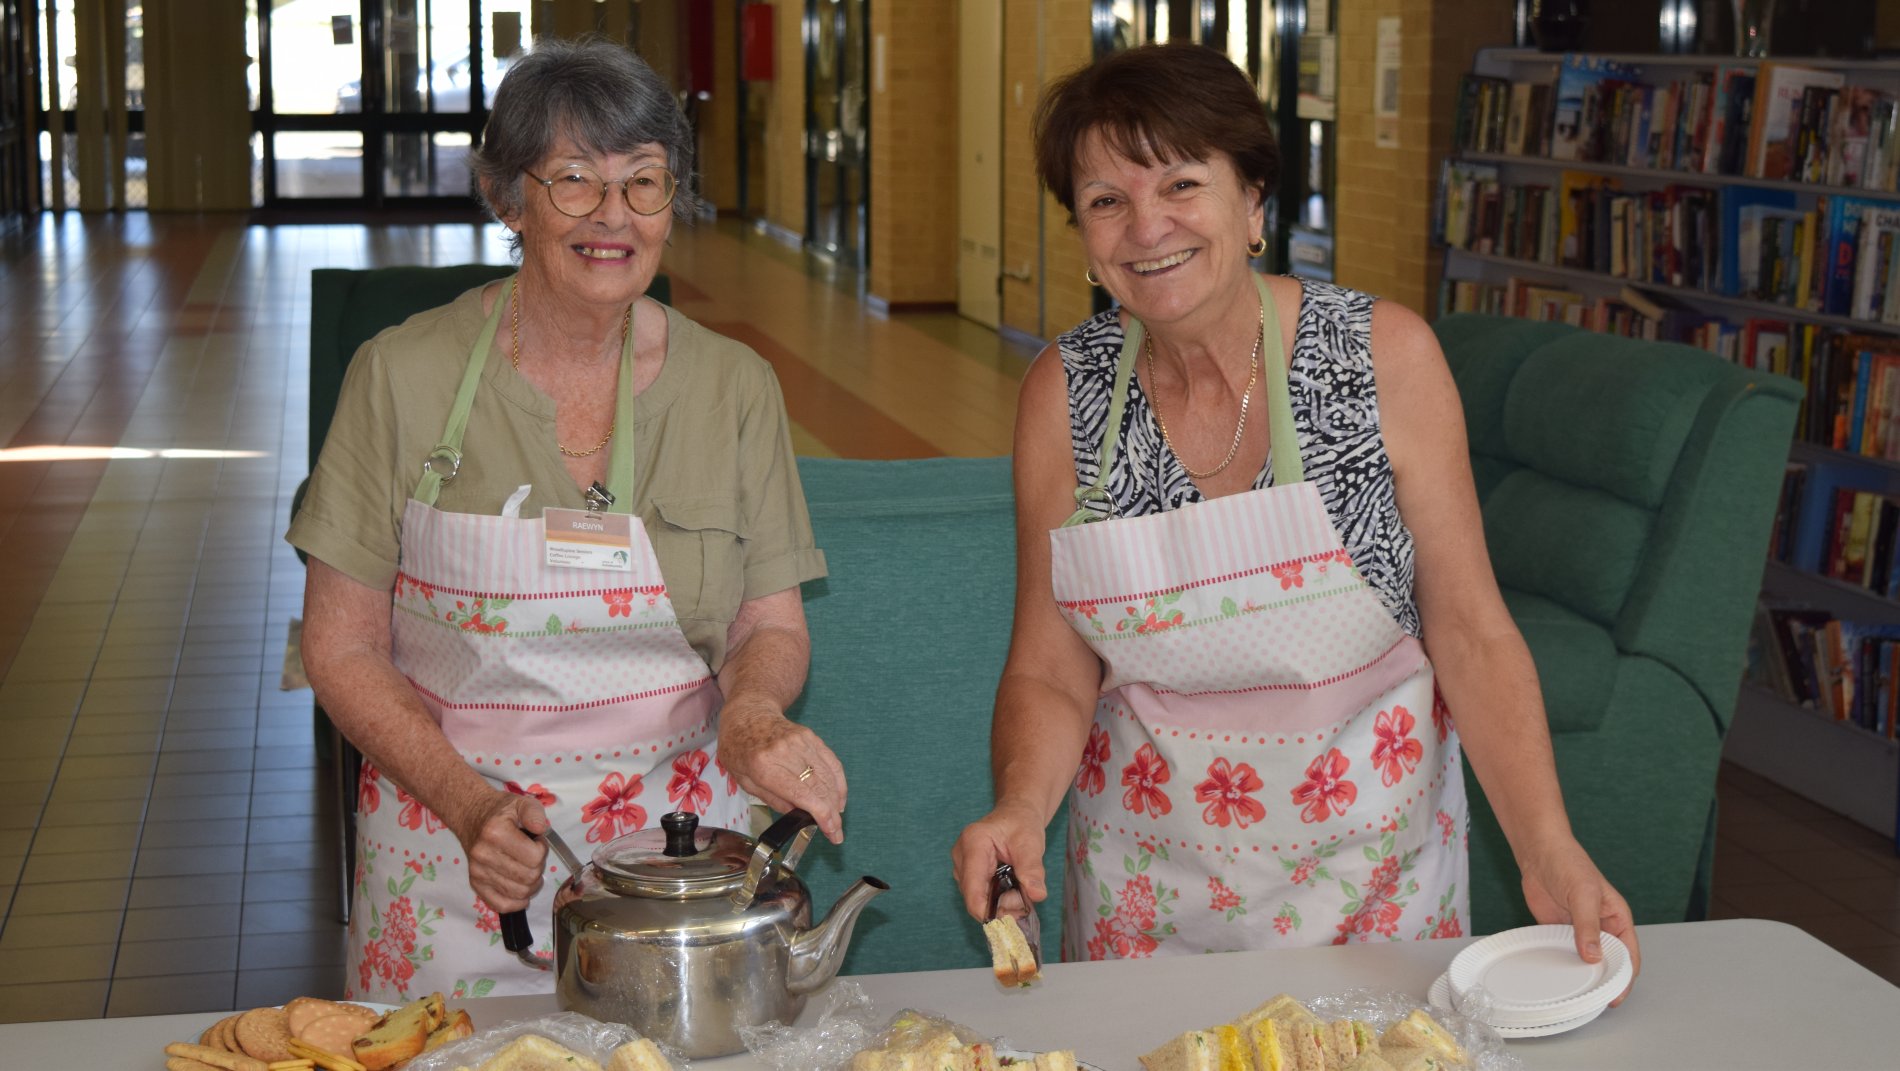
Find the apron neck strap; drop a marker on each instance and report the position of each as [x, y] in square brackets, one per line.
[445, 460]
[1284, 444]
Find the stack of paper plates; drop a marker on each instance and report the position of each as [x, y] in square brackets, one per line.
[1530, 982]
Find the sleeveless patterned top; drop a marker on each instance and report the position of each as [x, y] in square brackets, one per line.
[1335, 414]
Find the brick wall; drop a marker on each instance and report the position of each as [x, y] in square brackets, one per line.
[785, 121]
[913, 220]
[1383, 196]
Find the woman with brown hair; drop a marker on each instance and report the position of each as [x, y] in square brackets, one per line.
[1252, 588]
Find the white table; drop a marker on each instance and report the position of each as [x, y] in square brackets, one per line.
[1729, 995]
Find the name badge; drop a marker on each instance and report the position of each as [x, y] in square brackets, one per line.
[578, 539]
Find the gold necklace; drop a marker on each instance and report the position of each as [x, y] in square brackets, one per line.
[1240, 429]
[514, 355]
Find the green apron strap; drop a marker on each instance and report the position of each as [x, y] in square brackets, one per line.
[445, 460]
[1284, 443]
[1112, 434]
[620, 464]
[1282, 439]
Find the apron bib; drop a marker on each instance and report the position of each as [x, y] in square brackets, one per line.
[1269, 763]
[575, 686]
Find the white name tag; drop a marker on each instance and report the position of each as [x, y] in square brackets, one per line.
[578, 539]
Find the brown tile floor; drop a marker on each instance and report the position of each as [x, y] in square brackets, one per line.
[166, 832]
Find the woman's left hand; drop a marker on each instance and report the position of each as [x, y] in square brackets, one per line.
[783, 763]
[1562, 885]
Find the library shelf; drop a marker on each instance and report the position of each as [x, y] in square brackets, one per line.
[1840, 766]
[1687, 178]
[1652, 59]
[1760, 308]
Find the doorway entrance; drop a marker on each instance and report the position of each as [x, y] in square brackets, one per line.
[379, 101]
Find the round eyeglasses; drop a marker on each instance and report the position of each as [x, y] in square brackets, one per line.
[577, 191]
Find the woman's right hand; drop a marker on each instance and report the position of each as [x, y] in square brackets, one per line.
[505, 861]
[1011, 833]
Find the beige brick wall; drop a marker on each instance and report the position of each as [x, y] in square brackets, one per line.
[1068, 297]
[913, 219]
[1022, 245]
[785, 121]
[1383, 196]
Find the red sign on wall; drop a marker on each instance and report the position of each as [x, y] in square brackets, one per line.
[755, 42]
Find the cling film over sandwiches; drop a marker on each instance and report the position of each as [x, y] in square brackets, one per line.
[1283, 1034]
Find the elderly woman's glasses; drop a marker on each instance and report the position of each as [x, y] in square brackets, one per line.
[578, 191]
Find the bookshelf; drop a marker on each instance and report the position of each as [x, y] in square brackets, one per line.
[1686, 201]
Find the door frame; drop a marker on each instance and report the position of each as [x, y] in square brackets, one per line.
[372, 121]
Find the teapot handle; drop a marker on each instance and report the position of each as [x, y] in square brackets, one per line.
[786, 840]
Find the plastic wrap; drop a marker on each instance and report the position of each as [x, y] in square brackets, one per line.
[846, 1025]
[588, 1037]
[1383, 1007]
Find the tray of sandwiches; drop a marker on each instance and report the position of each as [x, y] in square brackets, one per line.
[1285, 1035]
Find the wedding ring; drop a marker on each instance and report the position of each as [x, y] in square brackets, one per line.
[805, 774]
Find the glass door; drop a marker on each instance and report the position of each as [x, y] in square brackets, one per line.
[382, 102]
[837, 137]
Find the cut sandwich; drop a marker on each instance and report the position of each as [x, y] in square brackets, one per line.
[1010, 955]
[1410, 1059]
[1270, 1051]
[983, 1057]
[1369, 1061]
[1193, 1051]
[641, 1055]
[1060, 1060]
[1232, 1052]
[1420, 1031]
[532, 1052]
[1344, 1039]
[1282, 1007]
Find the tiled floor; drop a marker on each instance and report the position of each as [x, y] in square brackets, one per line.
[166, 831]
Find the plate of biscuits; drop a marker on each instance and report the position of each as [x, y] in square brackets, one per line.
[309, 1032]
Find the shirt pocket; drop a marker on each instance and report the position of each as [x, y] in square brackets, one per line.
[701, 547]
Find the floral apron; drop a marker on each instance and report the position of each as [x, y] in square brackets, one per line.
[1280, 748]
[575, 686]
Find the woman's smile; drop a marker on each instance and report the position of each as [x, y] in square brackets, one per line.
[1161, 265]
[607, 251]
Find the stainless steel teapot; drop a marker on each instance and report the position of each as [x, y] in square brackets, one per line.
[686, 933]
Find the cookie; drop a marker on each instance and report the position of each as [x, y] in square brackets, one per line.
[226, 1036]
[265, 1034]
[301, 1011]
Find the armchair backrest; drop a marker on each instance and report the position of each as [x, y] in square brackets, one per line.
[1631, 483]
[908, 637]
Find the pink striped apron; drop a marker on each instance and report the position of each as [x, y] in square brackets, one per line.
[1268, 765]
[575, 686]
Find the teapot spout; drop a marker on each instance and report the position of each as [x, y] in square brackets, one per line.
[817, 952]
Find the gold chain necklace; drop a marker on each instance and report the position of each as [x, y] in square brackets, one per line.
[1240, 429]
[514, 355]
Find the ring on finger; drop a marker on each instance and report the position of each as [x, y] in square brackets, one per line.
[805, 774]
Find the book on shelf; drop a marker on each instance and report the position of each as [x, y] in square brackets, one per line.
[1843, 670]
[1783, 107]
[1779, 121]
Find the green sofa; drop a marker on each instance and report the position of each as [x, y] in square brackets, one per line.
[1627, 489]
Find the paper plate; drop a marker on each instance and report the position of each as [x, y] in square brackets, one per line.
[1534, 976]
[1440, 996]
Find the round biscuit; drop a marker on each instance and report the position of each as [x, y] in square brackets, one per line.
[263, 1033]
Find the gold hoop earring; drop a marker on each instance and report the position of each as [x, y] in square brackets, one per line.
[1257, 247]
[1089, 274]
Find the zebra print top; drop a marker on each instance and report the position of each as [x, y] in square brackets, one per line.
[1335, 413]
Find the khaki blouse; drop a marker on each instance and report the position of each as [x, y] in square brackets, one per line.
[715, 483]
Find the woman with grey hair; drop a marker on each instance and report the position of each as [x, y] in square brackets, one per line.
[555, 537]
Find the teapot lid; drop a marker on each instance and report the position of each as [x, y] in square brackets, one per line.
[681, 858]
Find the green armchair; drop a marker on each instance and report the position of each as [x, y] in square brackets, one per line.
[1627, 488]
